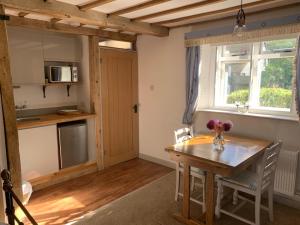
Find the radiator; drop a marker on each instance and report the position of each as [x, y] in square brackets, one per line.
[286, 172]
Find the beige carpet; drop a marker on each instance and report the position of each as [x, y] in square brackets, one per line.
[154, 205]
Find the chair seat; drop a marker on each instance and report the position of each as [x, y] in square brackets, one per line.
[246, 179]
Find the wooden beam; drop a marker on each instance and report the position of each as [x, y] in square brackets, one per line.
[216, 12]
[138, 7]
[55, 20]
[95, 96]
[9, 112]
[94, 4]
[22, 14]
[63, 10]
[64, 28]
[178, 9]
[271, 10]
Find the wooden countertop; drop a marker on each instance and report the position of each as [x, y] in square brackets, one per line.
[51, 119]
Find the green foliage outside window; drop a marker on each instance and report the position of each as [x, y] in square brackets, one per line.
[269, 97]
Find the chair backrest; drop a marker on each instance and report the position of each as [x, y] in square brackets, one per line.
[183, 134]
[269, 165]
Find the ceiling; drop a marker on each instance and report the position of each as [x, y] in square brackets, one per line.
[166, 13]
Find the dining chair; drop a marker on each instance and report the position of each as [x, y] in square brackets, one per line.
[181, 135]
[253, 183]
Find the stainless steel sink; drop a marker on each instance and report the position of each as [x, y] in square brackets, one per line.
[27, 119]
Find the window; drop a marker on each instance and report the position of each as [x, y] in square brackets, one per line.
[256, 75]
[116, 44]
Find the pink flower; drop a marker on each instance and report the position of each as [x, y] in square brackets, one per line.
[211, 124]
[219, 126]
[227, 125]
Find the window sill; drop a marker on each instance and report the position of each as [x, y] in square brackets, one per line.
[277, 117]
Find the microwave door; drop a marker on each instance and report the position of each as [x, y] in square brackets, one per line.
[66, 74]
[55, 74]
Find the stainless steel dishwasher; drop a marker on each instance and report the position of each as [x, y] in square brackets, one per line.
[72, 138]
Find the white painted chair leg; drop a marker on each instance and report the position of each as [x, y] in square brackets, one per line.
[270, 203]
[257, 208]
[177, 184]
[203, 194]
[192, 183]
[219, 197]
[222, 192]
[235, 197]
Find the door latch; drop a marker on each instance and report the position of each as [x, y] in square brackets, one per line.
[135, 108]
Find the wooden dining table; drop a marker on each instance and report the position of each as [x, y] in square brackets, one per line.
[238, 154]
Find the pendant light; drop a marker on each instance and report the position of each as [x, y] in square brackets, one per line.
[240, 24]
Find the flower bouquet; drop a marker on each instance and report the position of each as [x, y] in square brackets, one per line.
[219, 128]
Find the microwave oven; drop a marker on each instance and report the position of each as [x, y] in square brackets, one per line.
[60, 74]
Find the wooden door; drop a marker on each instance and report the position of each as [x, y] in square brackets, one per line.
[119, 91]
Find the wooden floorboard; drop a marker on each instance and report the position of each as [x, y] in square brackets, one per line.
[72, 199]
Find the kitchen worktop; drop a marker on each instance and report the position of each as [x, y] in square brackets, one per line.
[51, 119]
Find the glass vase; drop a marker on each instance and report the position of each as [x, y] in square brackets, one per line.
[219, 142]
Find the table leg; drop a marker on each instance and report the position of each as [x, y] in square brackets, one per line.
[210, 201]
[185, 216]
[186, 191]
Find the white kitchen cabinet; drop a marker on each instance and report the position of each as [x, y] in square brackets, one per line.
[61, 47]
[38, 151]
[26, 56]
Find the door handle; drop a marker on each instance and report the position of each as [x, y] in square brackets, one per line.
[135, 108]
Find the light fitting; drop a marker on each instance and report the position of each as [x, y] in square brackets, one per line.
[240, 25]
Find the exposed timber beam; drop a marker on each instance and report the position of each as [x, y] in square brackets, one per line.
[9, 112]
[226, 17]
[138, 7]
[94, 4]
[216, 12]
[64, 28]
[55, 20]
[63, 10]
[22, 14]
[178, 9]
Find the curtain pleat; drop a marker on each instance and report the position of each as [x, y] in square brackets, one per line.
[192, 82]
[253, 36]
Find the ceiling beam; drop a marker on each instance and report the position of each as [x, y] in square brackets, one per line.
[226, 17]
[138, 7]
[94, 4]
[55, 20]
[216, 12]
[64, 28]
[178, 9]
[22, 14]
[63, 10]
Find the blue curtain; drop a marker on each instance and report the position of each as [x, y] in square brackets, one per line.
[192, 82]
[298, 78]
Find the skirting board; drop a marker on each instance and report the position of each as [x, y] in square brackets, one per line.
[293, 202]
[157, 160]
[63, 175]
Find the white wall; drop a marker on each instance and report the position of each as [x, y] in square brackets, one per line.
[161, 90]
[32, 96]
[162, 99]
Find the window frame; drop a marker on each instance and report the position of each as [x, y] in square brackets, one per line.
[254, 56]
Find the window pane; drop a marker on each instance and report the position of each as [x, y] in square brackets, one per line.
[237, 50]
[237, 80]
[276, 82]
[286, 45]
[116, 44]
